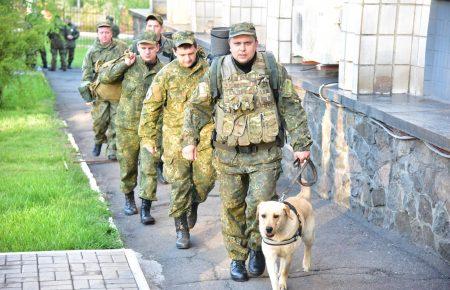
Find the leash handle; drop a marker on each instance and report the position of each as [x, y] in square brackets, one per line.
[309, 163]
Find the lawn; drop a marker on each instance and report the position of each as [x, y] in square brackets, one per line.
[45, 199]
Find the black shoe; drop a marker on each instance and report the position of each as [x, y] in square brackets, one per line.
[130, 205]
[52, 69]
[97, 149]
[256, 263]
[45, 66]
[192, 217]
[146, 217]
[237, 271]
[112, 156]
[159, 171]
[183, 237]
[69, 66]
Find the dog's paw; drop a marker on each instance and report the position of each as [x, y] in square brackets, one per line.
[282, 285]
[306, 267]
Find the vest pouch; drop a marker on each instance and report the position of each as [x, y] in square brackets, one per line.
[247, 102]
[270, 126]
[240, 131]
[255, 129]
[264, 95]
[231, 102]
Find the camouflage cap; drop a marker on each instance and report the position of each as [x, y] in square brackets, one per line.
[103, 23]
[156, 17]
[243, 28]
[147, 37]
[182, 37]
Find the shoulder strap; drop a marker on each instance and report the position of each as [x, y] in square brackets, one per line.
[215, 71]
[270, 61]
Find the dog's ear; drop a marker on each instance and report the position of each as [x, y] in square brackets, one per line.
[287, 211]
[257, 211]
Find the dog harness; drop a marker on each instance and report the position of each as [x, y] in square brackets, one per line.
[296, 236]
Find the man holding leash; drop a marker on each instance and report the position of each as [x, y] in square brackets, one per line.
[252, 101]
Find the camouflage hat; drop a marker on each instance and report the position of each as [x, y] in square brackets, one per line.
[148, 37]
[103, 24]
[182, 37]
[243, 28]
[156, 17]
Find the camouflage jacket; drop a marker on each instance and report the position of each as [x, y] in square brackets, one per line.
[136, 80]
[168, 94]
[58, 36]
[200, 109]
[103, 53]
[165, 53]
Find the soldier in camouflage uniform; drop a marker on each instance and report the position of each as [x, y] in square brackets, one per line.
[250, 117]
[71, 37]
[57, 36]
[154, 22]
[171, 89]
[104, 49]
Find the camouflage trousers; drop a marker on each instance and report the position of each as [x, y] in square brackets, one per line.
[245, 180]
[62, 57]
[133, 158]
[70, 55]
[190, 181]
[103, 115]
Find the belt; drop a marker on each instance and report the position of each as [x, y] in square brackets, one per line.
[253, 148]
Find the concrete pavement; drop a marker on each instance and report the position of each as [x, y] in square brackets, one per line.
[349, 253]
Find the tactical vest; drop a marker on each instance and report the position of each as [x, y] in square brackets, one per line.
[246, 112]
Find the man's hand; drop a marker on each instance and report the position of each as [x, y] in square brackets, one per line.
[90, 104]
[190, 152]
[70, 37]
[130, 59]
[301, 156]
[150, 149]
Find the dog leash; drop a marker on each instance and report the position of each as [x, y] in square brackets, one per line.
[298, 177]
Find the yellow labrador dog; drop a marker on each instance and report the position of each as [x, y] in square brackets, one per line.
[283, 225]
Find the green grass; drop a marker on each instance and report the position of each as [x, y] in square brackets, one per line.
[43, 204]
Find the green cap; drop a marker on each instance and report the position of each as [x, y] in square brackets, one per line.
[243, 28]
[156, 17]
[182, 37]
[148, 37]
[103, 23]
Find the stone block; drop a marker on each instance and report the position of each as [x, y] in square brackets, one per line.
[444, 249]
[403, 47]
[441, 223]
[285, 28]
[366, 78]
[405, 21]
[370, 19]
[385, 49]
[383, 79]
[425, 210]
[424, 20]
[285, 48]
[388, 14]
[393, 196]
[376, 216]
[400, 82]
[246, 14]
[378, 197]
[402, 222]
[368, 47]
[285, 8]
[428, 236]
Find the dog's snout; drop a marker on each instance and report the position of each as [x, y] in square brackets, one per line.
[269, 229]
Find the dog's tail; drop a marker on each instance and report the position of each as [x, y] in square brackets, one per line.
[305, 193]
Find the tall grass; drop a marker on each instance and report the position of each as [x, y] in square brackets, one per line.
[45, 200]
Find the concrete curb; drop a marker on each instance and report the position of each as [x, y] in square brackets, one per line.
[136, 269]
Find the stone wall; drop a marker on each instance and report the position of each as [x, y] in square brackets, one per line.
[395, 184]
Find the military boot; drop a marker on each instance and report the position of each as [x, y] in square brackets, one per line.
[112, 156]
[159, 171]
[237, 271]
[97, 149]
[146, 217]
[182, 229]
[130, 205]
[69, 66]
[256, 263]
[192, 217]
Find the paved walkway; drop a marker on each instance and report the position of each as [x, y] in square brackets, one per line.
[349, 253]
[94, 269]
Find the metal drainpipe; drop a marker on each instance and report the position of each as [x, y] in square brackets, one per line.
[150, 3]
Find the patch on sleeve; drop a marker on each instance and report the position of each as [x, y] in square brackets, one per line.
[203, 91]
[154, 93]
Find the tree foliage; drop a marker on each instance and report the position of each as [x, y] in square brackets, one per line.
[23, 31]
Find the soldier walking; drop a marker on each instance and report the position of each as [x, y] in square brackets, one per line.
[57, 36]
[252, 100]
[71, 37]
[191, 181]
[136, 73]
[154, 22]
[104, 49]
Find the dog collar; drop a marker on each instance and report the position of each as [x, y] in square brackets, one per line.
[297, 235]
